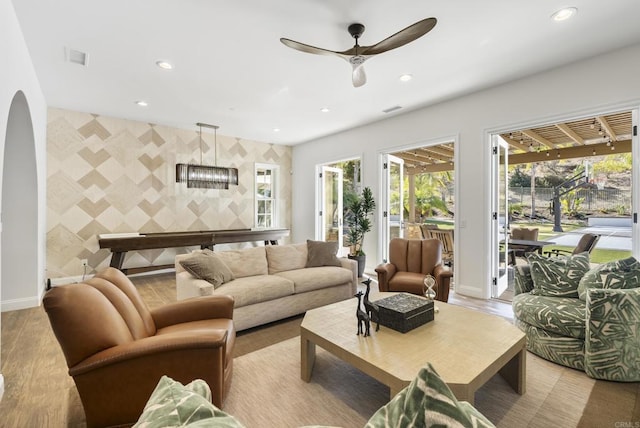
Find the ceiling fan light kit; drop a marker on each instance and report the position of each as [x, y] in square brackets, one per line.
[357, 55]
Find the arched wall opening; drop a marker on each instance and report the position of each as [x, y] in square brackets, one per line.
[19, 209]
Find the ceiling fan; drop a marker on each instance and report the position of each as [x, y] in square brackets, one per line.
[357, 55]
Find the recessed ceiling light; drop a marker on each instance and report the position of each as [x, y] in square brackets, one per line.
[406, 77]
[142, 103]
[564, 14]
[325, 110]
[165, 65]
[276, 129]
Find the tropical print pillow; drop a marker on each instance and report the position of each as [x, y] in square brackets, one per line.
[427, 402]
[558, 276]
[175, 405]
[623, 273]
[523, 282]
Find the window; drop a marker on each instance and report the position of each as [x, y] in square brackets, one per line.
[266, 193]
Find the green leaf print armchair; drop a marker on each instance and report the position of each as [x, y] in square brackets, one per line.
[588, 319]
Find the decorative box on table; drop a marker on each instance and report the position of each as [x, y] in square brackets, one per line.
[403, 312]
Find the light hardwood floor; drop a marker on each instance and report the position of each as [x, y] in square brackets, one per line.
[39, 391]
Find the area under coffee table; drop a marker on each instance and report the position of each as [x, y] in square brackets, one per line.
[466, 347]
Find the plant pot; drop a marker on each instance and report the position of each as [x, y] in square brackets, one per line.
[361, 262]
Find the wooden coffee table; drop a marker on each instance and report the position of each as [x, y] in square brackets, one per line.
[466, 347]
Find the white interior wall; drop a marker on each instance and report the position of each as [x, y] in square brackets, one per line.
[18, 74]
[598, 84]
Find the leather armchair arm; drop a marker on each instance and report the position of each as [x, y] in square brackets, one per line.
[443, 280]
[440, 271]
[611, 337]
[194, 309]
[152, 348]
[385, 272]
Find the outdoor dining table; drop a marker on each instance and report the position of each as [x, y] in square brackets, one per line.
[530, 246]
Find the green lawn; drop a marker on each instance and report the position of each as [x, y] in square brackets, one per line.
[597, 255]
[545, 231]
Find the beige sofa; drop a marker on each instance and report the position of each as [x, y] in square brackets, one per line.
[272, 283]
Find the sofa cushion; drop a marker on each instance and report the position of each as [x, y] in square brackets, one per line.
[427, 402]
[246, 262]
[175, 405]
[320, 253]
[564, 316]
[255, 289]
[286, 257]
[558, 276]
[315, 278]
[623, 273]
[208, 266]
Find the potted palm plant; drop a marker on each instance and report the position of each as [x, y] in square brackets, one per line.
[358, 219]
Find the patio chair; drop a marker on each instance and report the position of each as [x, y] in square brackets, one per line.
[426, 229]
[523, 233]
[586, 244]
[446, 237]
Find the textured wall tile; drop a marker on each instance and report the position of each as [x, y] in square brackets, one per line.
[109, 175]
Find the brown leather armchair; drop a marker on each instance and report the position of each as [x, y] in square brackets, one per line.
[409, 261]
[117, 349]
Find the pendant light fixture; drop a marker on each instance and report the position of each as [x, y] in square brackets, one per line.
[204, 176]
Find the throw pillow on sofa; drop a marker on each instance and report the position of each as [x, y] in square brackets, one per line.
[320, 253]
[523, 283]
[282, 258]
[175, 405]
[208, 266]
[558, 276]
[246, 262]
[623, 273]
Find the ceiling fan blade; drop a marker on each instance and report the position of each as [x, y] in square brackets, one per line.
[402, 37]
[308, 48]
[358, 76]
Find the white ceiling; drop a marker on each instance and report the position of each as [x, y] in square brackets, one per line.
[232, 70]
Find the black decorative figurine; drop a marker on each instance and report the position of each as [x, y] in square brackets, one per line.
[363, 318]
[369, 307]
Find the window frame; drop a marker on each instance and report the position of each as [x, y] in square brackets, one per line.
[273, 198]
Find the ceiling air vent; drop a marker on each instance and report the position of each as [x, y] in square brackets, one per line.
[390, 109]
[77, 57]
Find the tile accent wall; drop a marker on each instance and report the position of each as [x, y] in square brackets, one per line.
[108, 175]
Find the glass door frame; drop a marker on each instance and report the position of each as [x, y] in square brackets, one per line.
[387, 161]
[322, 207]
[499, 210]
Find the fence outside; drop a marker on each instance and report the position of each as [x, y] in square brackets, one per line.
[593, 200]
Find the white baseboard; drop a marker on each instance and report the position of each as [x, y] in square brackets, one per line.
[469, 291]
[75, 279]
[1, 386]
[17, 304]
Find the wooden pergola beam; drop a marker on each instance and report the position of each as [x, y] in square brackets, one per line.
[607, 128]
[418, 159]
[539, 138]
[584, 151]
[601, 149]
[513, 143]
[570, 133]
[425, 169]
[438, 150]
